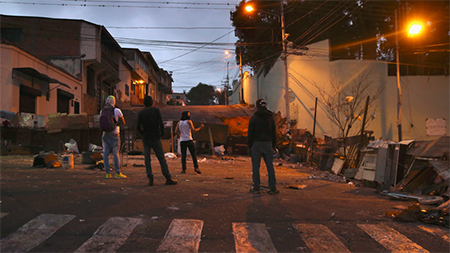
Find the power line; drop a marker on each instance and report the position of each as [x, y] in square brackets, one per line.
[160, 5]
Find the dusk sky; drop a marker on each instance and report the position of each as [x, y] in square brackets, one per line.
[186, 37]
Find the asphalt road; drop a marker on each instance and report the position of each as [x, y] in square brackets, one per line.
[79, 209]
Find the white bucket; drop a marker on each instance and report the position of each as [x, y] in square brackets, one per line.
[67, 161]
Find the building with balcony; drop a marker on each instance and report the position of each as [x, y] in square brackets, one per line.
[85, 50]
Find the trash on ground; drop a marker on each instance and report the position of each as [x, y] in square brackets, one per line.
[72, 146]
[228, 158]
[219, 150]
[298, 187]
[170, 155]
[416, 213]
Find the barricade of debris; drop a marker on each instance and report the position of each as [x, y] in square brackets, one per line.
[408, 170]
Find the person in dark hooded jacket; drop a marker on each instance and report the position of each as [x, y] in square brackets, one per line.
[262, 139]
[151, 127]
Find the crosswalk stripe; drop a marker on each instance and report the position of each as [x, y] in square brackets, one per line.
[111, 235]
[252, 237]
[34, 232]
[183, 235]
[390, 238]
[437, 232]
[319, 238]
[3, 215]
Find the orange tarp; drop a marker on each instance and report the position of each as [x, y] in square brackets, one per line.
[236, 125]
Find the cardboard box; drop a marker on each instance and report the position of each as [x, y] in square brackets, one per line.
[139, 146]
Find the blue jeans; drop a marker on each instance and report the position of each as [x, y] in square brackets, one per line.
[262, 149]
[157, 147]
[111, 143]
[191, 146]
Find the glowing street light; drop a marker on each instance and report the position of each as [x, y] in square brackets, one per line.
[415, 29]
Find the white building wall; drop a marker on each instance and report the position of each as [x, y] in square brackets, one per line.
[422, 96]
[12, 57]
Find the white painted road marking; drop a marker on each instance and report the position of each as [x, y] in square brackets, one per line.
[182, 236]
[390, 238]
[319, 238]
[252, 237]
[111, 235]
[436, 231]
[34, 232]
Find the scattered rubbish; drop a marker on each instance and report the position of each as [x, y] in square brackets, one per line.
[81, 220]
[72, 146]
[170, 155]
[415, 213]
[227, 158]
[298, 187]
[99, 165]
[328, 176]
[155, 217]
[202, 160]
[229, 177]
[48, 160]
[337, 165]
[173, 208]
[138, 165]
[205, 195]
[220, 150]
[67, 161]
[422, 199]
[88, 157]
[94, 148]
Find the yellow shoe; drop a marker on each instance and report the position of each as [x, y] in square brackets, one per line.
[108, 175]
[120, 175]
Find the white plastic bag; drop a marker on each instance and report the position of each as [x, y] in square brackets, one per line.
[220, 150]
[72, 146]
[170, 155]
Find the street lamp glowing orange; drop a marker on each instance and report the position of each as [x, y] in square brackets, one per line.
[415, 29]
[249, 8]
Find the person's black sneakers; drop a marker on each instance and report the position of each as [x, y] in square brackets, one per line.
[255, 190]
[273, 191]
[171, 181]
[198, 171]
[150, 181]
[183, 172]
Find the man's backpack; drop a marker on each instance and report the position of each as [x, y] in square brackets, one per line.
[107, 120]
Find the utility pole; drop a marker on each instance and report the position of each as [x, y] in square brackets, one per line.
[227, 83]
[242, 75]
[399, 87]
[286, 81]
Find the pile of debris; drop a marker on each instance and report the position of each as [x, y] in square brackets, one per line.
[408, 170]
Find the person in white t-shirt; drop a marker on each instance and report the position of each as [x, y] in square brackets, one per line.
[111, 140]
[184, 129]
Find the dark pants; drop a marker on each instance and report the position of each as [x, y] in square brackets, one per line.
[157, 147]
[191, 146]
[264, 150]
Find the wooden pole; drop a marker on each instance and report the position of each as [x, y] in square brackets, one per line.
[211, 141]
